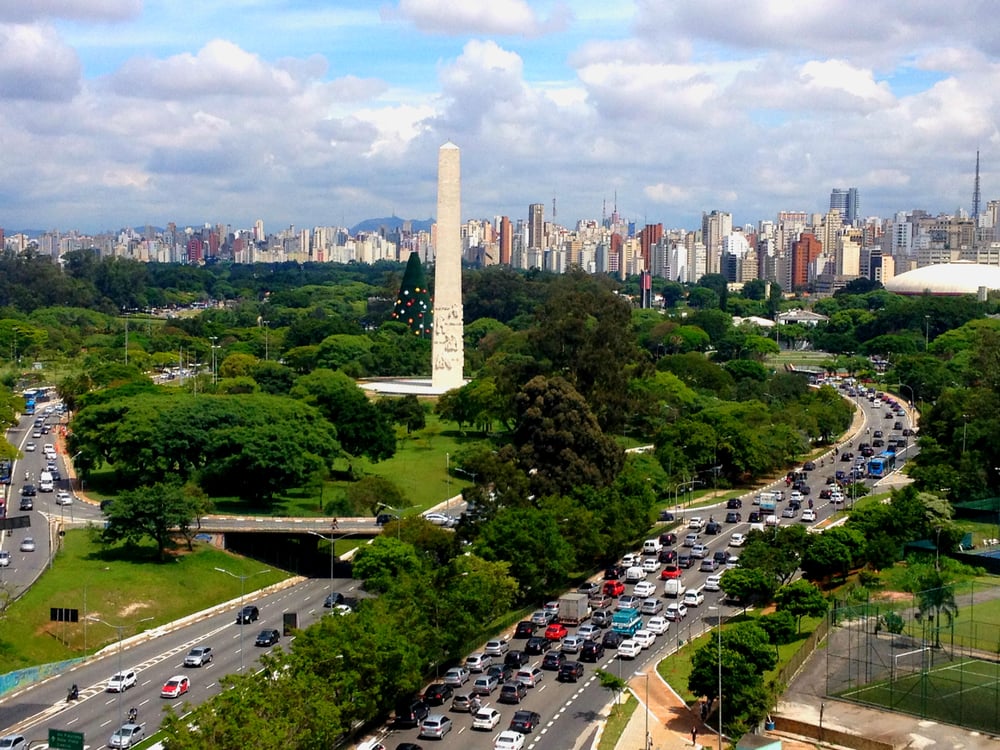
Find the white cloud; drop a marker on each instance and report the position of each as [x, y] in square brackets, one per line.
[507, 17]
[77, 10]
[36, 64]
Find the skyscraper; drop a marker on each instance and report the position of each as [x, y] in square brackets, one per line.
[845, 201]
[714, 227]
[536, 226]
[506, 240]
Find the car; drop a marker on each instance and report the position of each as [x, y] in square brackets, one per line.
[809, 466]
[29, 490]
[516, 659]
[26, 504]
[542, 618]
[175, 687]
[570, 671]
[627, 601]
[13, 742]
[589, 588]
[613, 572]
[199, 656]
[629, 560]
[713, 527]
[442, 519]
[808, 515]
[675, 612]
[658, 625]
[385, 518]
[121, 681]
[650, 564]
[907, 432]
[644, 589]
[572, 644]
[537, 645]
[456, 676]
[248, 614]
[737, 540]
[696, 523]
[667, 555]
[614, 588]
[712, 583]
[553, 609]
[699, 551]
[485, 684]
[685, 560]
[553, 660]
[888, 415]
[612, 639]
[30, 447]
[464, 702]
[629, 649]
[601, 618]
[733, 561]
[734, 516]
[589, 631]
[508, 740]
[789, 512]
[512, 691]
[525, 722]
[734, 503]
[709, 565]
[825, 494]
[556, 632]
[502, 672]
[644, 637]
[437, 694]
[411, 712]
[525, 629]
[36, 433]
[668, 539]
[333, 599]
[125, 736]
[530, 676]
[487, 719]
[63, 498]
[592, 651]
[478, 662]
[267, 637]
[496, 647]
[672, 570]
[435, 726]
[4, 559]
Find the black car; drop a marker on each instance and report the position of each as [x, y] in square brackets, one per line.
[515, 659]
[666, 555]
[383, 518]
[713, 527]
[665, 515]
[503, 672]
[668, 538]
[897, 425]
[332, 600]
[525, 722]
[613, 572]
[808, 466]
[734, 516]
[592, 651]
[754, 516]
[525, 629]
[553, 660]
[684, 560]
[611, 639]
[437, 694]
[267, 637]
[27, 503]
[248, 614]
[410, 713]
[721, 556]
[537, 645]
[571, 671]
[734, 503]
[29, 490]
[512, 692]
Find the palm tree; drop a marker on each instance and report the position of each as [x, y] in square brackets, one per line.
[937, 600]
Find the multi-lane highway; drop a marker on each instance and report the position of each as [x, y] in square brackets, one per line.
[569, 712]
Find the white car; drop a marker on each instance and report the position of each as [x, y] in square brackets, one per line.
[4, 559]
[644, 637]
[508, 740]
[737, 540]
[713, 583]
[696, 523]
[486, 718]
[121, 681]
[836, 498]
[63, 498]
[658, 625]
[644, 589]
[629, 560]
[629, 649]
[676, 612]
[441, 519]
[650, 564]
[808, 516]
[30, 447]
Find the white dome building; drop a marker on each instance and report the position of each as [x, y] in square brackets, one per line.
[960, 277]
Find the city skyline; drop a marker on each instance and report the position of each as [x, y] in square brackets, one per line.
[124, 113]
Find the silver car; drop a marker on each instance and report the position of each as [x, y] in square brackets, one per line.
[126, 736]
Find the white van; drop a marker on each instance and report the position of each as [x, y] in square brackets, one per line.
[651, 547]
[694, 598]
[634, 574]
[45, 482]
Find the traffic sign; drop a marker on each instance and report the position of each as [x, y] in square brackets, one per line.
[62, 739]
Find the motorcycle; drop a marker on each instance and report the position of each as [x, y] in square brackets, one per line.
[74, 693]
[133, 715]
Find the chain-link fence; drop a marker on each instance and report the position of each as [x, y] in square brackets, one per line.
[934, 654]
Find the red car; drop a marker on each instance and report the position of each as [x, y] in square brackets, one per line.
[671, 570]
[614, 588]
[555, 632]
[175, 687]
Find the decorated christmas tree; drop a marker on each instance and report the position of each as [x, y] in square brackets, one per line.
[413, 303]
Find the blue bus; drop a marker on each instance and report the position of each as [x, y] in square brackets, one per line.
[882, 464]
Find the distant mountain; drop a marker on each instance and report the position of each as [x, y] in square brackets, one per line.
[392, 223]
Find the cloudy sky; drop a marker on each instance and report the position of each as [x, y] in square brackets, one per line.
[319, 112]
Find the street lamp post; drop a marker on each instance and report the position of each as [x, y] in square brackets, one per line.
[649, 743]
[119, 629]
[215, 377]
[927, 331]
[718, 628]
[243, 582]
[267, 328]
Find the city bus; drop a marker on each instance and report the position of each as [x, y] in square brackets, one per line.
[882, 464]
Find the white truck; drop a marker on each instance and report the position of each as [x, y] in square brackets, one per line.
[574, 608]
[674, 588]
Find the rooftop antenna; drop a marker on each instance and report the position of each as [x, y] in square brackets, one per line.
[553, 208]
[975, 193]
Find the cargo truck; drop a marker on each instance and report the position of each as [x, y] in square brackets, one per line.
[626, 621]
[573, 608]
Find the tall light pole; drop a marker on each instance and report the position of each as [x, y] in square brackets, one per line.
[243, 584]
[267, 328]
[215, 377]
[927, 331]
[120, 629]
[649, 743]
[718, 628]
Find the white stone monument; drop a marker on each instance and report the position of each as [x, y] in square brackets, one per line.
[448, 352]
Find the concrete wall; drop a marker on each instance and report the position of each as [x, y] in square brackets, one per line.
[828, 736]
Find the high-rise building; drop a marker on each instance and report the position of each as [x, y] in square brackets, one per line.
[714, 227]
[536, 226]
[805, 251]
[506, 240]
[651, 234]
[845, 201]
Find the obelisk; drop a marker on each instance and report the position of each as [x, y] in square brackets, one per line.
[447, 348]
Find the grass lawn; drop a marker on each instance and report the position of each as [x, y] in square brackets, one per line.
[617, 721]
[120, 587]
